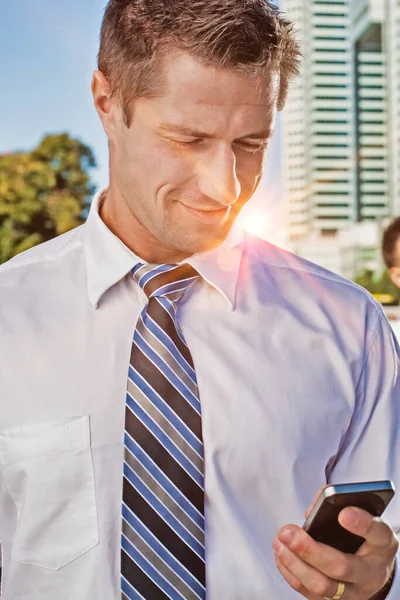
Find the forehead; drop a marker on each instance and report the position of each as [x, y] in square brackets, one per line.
[196, 91]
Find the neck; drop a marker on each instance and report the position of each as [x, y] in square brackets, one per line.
[119, 217]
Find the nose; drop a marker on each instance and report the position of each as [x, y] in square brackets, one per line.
[217, 177]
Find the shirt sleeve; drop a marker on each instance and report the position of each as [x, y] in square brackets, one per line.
[371, 448]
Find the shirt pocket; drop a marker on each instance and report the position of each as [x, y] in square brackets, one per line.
[48, 469]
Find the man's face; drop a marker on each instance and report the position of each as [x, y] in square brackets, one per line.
[192, 159]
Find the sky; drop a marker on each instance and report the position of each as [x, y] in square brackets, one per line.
[48, 51]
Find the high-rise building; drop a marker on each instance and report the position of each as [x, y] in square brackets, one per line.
[370, 77]
[294, 128]
[392, 12]
[318, 122]
[341, 125]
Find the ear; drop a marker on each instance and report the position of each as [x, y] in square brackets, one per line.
[394, 274]
[107, 107]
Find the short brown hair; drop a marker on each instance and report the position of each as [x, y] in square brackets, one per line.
[247, 36]
[389, 244]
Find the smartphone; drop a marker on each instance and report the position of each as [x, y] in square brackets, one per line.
[323, 525]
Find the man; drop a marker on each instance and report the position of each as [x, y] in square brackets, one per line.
[391, 256]
[226, 379]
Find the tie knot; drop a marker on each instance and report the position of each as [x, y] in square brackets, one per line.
[164, 280]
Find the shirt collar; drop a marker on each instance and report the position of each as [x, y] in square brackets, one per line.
[108, 260]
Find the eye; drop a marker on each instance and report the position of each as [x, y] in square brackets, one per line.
[182, 144]
[253, 148]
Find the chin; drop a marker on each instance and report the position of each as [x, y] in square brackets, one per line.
[202, 240]
[199, 246]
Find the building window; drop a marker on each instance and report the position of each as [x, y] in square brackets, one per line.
[328, 232]
[330, 62]
[331, 145]
[330, 86]
[323, 74]
[341, 205]
[380, 181]
[332, 193]
[342, 50]
[332, 110]
[331, 98]
[332, 169]
[331, 121]
[334, 15]
[333, 181]
[332, 217]
[335, 38]
[329, 133]
[322, 26]
[373, 193]
[340, 157]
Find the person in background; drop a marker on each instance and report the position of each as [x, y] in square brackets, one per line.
[391, 256]
[173, 391]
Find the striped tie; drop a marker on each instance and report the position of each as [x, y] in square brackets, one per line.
[162, 540]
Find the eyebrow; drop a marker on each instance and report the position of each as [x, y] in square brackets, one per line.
[261, 135]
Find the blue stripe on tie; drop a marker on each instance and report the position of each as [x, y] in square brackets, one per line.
[161, 551]
[167, 305]
[150, 571]
[179, 331]
[154, 272]
[163, 512]
[129, 591]
[166, 410]
[167, 371]
[175, 286]
[158, 475]
[165, 354]
[136, 268]
[168, 343]
[165, 441]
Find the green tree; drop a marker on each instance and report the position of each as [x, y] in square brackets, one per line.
[386, 286]
[367, 280]
[43, 193]
[378, 284]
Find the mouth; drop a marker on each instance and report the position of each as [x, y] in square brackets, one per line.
[209, 216]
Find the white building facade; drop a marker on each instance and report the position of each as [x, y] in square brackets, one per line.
[318, 122]
[341, 149]
[392, 12]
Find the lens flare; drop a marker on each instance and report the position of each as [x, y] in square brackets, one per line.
[255, 223]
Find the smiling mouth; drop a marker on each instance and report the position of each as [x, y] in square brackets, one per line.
[209, 216]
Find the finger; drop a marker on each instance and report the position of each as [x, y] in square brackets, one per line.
[312, 580]
[327, 560]
[287, 575]
[309, 509]
[378, 534]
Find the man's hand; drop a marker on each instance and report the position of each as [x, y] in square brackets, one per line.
[314, 569]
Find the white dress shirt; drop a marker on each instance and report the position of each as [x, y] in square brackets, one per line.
[298, 381]
[396, 330]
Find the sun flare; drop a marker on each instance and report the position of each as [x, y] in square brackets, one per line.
[255, 223]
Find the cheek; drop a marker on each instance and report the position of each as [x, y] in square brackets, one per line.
[160, 160]
[249, 172]
[175, 170]
[138, 165]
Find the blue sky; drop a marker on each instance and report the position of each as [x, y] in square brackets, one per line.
[48, 50]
